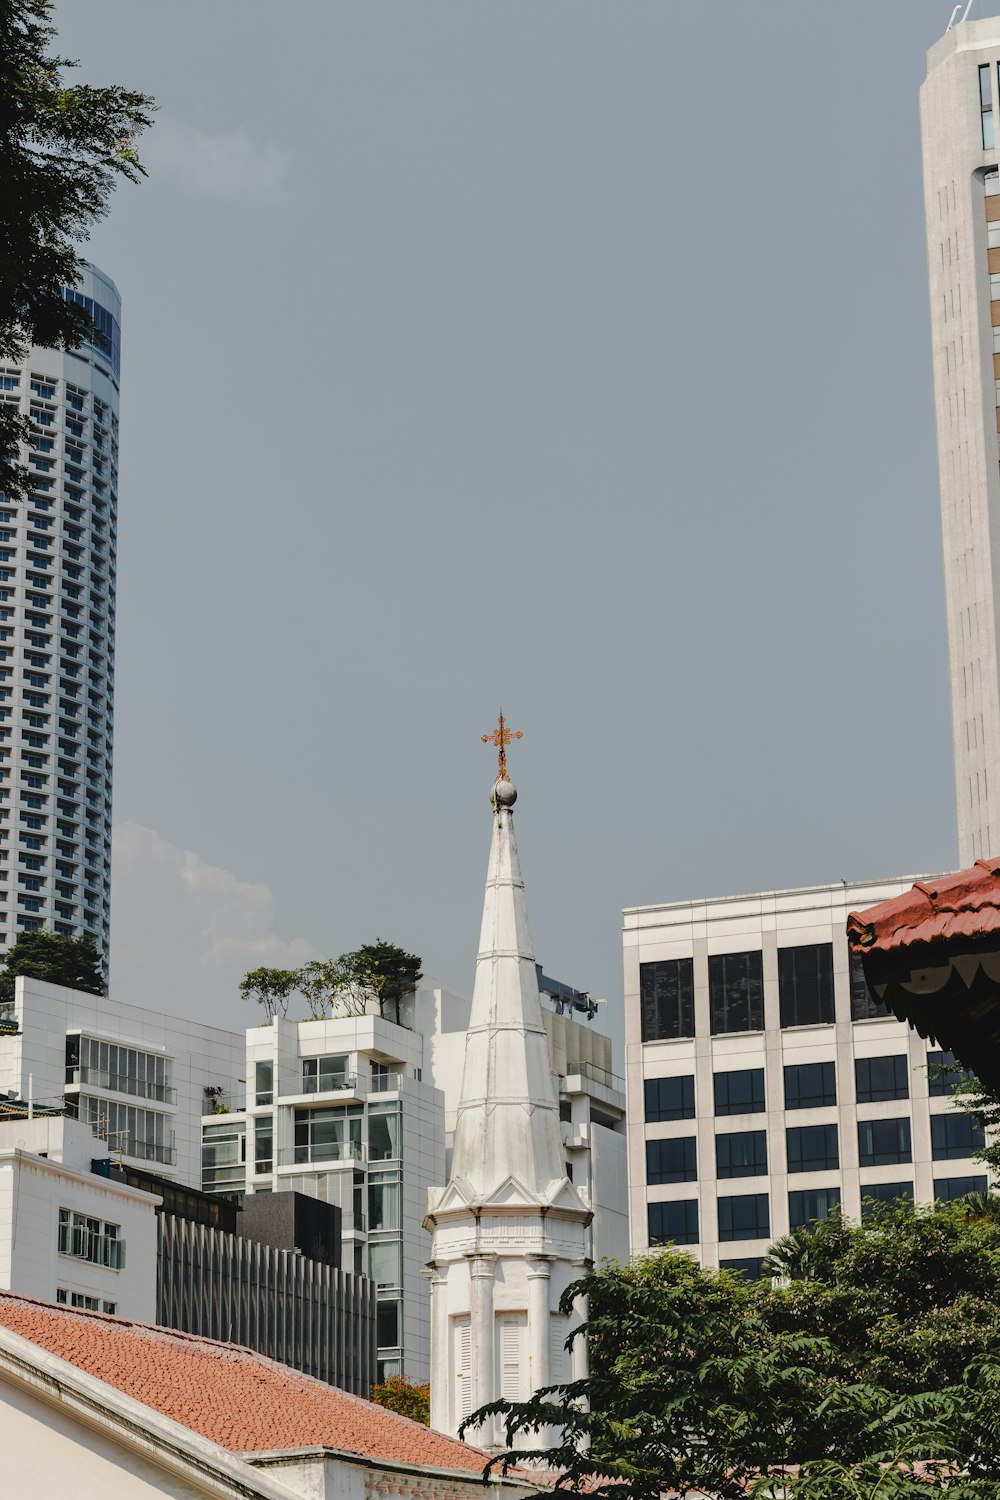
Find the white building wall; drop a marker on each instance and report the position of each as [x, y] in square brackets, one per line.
[198, 1057]
[960, 199]
[768, 922]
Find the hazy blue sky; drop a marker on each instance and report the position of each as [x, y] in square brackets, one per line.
[572, 356]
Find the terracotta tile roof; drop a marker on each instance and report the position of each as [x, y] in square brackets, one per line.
[966, 905]
[230, 1395]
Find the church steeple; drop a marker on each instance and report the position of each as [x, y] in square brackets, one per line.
[509, 1228]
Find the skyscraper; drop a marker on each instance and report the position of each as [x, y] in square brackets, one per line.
[960, 121]
[57, 634]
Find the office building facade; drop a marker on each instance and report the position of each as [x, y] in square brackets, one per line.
[57, 634]
[765, 1086]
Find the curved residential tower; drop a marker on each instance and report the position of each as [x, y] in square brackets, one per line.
[57, 634]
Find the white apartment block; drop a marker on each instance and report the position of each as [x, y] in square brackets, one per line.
[57, 634]
[68, 1234]
[137, 1077]
[764, 1084]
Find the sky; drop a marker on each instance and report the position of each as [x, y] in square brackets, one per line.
[572, 358]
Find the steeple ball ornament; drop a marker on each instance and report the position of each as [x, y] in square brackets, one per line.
[504, 793]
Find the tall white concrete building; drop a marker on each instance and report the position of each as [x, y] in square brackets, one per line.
[57, 634]
[765, 1086]
[509, 1228]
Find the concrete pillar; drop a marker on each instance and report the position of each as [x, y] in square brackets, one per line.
[482, 1274]
[539, 1321]
[441, 1388]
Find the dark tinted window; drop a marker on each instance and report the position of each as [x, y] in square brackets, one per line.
[864, 1006]
[805, 984]
[810, 1204]
[666, 998]
[740, 1092]
[810, 1085]
[949, 1188]
[954, 1135]
[671, 1161]
[873, 1193]
[750, 1265]
[744, 1218]
[736, 991]
[673, 1221]
[743, 1153]
[669, 1099]
[881, 1078]
[812, 1148]
[938, 1083]
[883, 1143]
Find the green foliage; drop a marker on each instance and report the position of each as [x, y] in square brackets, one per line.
[62, 148]
[875, 1370]
[72, 961]
[342, 986]
[405, 1397]
[270, 988]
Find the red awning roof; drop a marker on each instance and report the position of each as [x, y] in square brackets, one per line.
[965, 905]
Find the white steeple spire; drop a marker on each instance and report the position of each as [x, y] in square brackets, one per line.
[509, 1228]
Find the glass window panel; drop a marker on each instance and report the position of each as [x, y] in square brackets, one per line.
[736, 991]
[671, 1160]
[940, 1084]
[805, 984]
[385, 1267]
[810, 1085]
[746, 1217]
[985, 94]
[741, 1153]
[383, 1133]
[383, 1205]
[666, 999]
[740, 1092]
[387, 1324]
[989, 135]
[878, 1078]
[875, 1193]
[884, 1143]
[810, 1204]
[954, 1135]
[812, 1148]
[864, 1006]
[947, 1189]
[669, 1099]
[264, 1082]
[673, 1222]
[749, 1265]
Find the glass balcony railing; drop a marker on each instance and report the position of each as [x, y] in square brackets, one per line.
[385, 1083]
[121, 1083]
[597, 1075]
[322, 1151]
[329, 1083]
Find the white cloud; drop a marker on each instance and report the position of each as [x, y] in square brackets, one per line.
[184, 932]
[224, 165]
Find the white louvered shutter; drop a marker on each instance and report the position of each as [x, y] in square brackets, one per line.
[463, 1365]
[558, 1357]
[512, 1330]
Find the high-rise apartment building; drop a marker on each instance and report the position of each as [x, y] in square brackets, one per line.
[765, 1085]
[57, 634]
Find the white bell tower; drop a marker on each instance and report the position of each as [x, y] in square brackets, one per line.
[509, 1228]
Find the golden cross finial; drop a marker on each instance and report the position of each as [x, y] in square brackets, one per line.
[501, 737]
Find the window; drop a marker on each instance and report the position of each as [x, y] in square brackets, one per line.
[986, 107]
[144, 1134]
[90, 1239]
[387, 1324]
[744, 1218]
[993, 234]
[669, 1099]
[812, 1148]
[884, 1143]
[748, 1265]
[383, 1201]
[881, 1078]
[810, 1085]
[384, 1132]
[808, 1205]
[329, 1134]
[321, 1075]
[512, 1341]
[740, 1092]
[736, 992]
[941, 1083]
[743, 1153]
[874, 1193]
[263, 1078]
[123, 1070]
[223, 1157]
[864, 1006]
[671, 1160]
[995, 288]
[954, 1135]
[263, 1144]
[805, 984]
[666, 999]
[676, 1222]
[947, 1189]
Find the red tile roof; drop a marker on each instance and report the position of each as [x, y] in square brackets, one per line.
[230, 1395]
[966, 905]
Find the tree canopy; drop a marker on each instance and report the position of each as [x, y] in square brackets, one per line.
[379, 972]
[875, 1371]
[72, 961]
[63, 146]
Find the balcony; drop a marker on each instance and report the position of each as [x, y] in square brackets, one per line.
[325, 1152]
[120, 1083]
[330, 1083]
[601, 1076]
[384, 1083]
